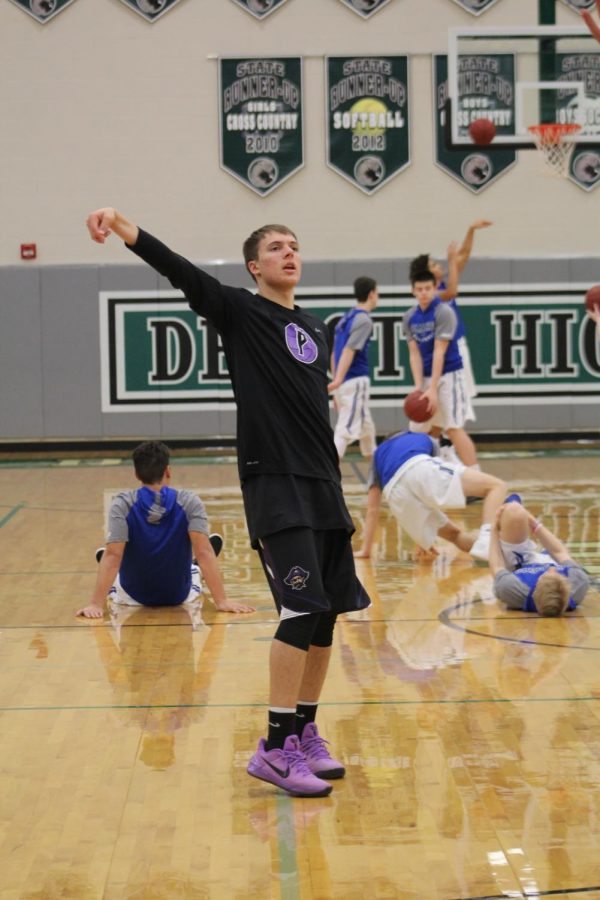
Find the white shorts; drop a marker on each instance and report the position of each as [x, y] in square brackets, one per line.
[119, 595]
[525, 553]
[416, 498]
[467, 367]
[354, 420]
[454, 403]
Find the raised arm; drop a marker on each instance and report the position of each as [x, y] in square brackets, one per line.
[104, 222]
[451, 289]
[467, 245]
[205, 294]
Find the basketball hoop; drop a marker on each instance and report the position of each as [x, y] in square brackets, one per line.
[549, 139]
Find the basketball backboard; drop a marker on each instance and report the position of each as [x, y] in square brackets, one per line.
[520, 77]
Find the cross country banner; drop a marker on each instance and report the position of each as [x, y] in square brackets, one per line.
[584, 166]
[42, 10]
[260, 107]
[486, 89]
[476, 7]
[260, 8]
[367, 118]
[365, 8]
[151, 10]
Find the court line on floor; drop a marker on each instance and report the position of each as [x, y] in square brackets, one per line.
[444, 618]
[534, 895]
[11, 513]
[468, 701]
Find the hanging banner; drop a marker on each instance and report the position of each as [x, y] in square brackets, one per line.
[476, 7]
[260, 8]
[486, 90]
[367, 118]
[260, 105]
[584, 167]
[42, 10]
[365, 8]
[151, 10]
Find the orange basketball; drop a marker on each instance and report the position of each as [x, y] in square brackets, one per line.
[415, 407]
[592, 298]
[482, 131]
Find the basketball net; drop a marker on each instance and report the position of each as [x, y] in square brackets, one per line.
[555, 151]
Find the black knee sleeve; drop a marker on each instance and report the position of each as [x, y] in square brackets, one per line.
[323, 633]
[298, 631]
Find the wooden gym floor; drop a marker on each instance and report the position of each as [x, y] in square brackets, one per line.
[471, 736]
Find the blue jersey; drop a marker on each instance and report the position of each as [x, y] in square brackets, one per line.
[460, 325]
[360, 363]
[391, 455]
[156, 565]
[425, 325]
[530, 575]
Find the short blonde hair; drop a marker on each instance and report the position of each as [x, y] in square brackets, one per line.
[551, 594]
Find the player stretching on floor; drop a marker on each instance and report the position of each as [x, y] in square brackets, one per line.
[548, 583]
[152, 533]
[278, 358]
[418, 485]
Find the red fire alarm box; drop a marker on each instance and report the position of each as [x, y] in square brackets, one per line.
[28, 251]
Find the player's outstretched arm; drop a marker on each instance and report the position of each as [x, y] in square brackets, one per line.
[106, 221]
[467, 245]
[371, 521]
[209, 567]
[107, 572]
[587, 18]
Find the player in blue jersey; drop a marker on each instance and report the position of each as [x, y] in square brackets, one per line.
[350, 369]
[447, 290]
[436, 364]
[152, 533]
[418, 485]
[549, 583]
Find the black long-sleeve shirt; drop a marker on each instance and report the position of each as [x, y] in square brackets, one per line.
[278, 360]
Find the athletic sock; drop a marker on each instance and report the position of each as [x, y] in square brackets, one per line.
[281, 726]
[305, 712]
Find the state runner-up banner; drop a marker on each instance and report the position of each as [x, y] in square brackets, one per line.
[260, 102]
[367, 118]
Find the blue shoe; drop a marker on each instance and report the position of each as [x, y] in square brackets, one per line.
[514, 498]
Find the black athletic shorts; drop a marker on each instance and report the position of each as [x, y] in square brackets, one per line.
[312, 571]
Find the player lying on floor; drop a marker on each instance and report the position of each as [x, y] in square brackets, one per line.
[549, 583]
[418, 485]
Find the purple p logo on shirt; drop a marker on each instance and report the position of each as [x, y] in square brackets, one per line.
[300, 344]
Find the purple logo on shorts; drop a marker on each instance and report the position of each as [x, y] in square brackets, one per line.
[300, 344]
[296, 578]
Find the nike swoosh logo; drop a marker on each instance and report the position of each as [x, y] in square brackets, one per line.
[277, 771]
[274, 725]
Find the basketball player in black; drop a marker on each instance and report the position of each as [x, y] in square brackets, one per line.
[277, 356]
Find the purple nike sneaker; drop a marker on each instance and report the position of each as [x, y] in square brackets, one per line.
[318, 759]
[287, 769]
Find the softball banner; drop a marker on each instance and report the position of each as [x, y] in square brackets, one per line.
[260, 104]
[365, 8]
[151, 10]
[260, 8]
[367, 118]
[486, 89]
[42, 10]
